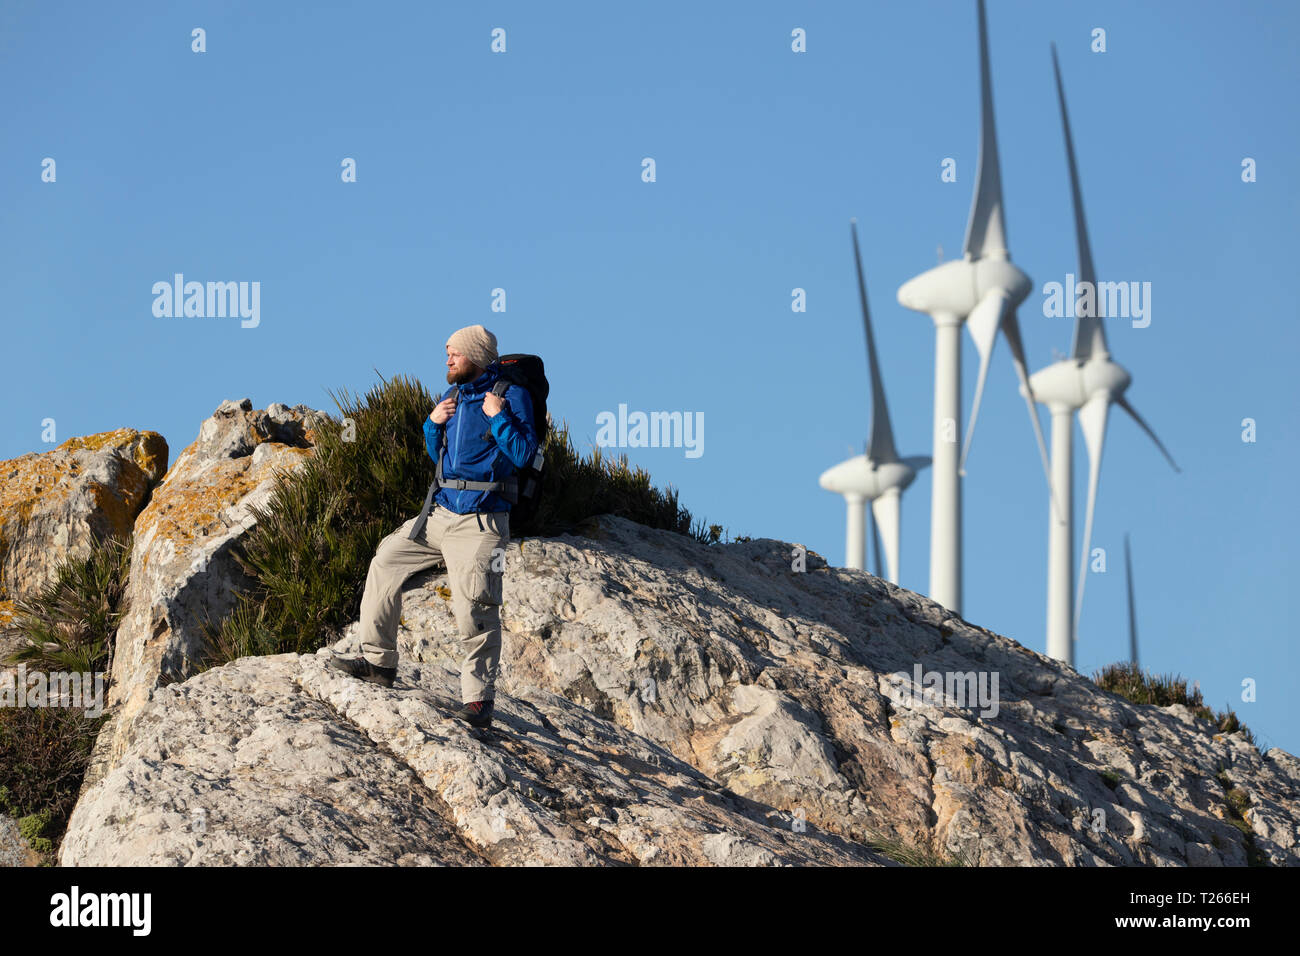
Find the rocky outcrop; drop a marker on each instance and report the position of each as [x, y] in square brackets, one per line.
[183, 575]
[56, 504]
[285, 761]
[779, 684]
[663, 701]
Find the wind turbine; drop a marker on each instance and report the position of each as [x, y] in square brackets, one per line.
[981, 290]
[1088, 382]
[879, 476]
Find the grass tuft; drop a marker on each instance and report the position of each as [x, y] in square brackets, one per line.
[1143, 687]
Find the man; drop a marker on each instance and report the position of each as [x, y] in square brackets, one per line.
[466, 524]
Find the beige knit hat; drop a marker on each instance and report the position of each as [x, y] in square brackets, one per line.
[475, 343]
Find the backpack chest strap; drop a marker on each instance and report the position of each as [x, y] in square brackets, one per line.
[508, 488]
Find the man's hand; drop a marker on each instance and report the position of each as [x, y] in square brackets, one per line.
[492, 404]
[443, 410]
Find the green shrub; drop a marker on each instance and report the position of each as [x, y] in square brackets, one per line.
[70, 623]
[311, 547]
[577, 487]
[33, 828]
[1142, 687]
[44, 752]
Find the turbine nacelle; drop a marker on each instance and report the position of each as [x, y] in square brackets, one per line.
[861, 476]
[1060, 385]
[1101, 374]
[956, 287]
[1070, 383]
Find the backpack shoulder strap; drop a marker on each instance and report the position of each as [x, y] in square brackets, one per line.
[499, 389]
[442, 448]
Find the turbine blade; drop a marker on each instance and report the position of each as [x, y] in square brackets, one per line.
[887, 510]
[1123, 403]
[1132, 613]
[1011, 329]
[1092, 419]
[875, 546]
[1089, 336]
[986, 228]
[992, 313]
[880, 446]
[983, 323]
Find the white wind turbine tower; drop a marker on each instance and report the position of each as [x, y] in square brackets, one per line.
[879, 476]
[1089, 382]
[982, 290]
[1132, 611]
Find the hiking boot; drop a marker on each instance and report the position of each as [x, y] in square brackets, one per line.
[361, 668]
[476, 714]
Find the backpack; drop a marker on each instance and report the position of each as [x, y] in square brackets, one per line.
[529, 373]
[524, 488]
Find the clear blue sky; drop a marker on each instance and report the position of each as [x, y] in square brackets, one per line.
[523, 171]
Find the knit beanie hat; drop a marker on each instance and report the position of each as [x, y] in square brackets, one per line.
[475, 343]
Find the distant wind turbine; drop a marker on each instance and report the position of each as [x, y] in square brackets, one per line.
[879, 476]
[1088, 382]
[981, 290]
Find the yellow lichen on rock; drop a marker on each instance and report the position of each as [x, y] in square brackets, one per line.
[117, 437]
[54, 504]
[191, 511]
[147, 449]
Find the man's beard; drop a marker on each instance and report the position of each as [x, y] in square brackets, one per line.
[464, 377]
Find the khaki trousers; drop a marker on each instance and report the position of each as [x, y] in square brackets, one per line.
[473, 548]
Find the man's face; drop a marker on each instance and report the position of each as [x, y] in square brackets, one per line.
[460, 370]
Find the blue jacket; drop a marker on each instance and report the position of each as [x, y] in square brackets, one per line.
[481, 448]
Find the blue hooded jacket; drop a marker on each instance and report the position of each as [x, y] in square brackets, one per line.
[481, 448]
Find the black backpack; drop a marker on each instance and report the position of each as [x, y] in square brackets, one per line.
[529, 373]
